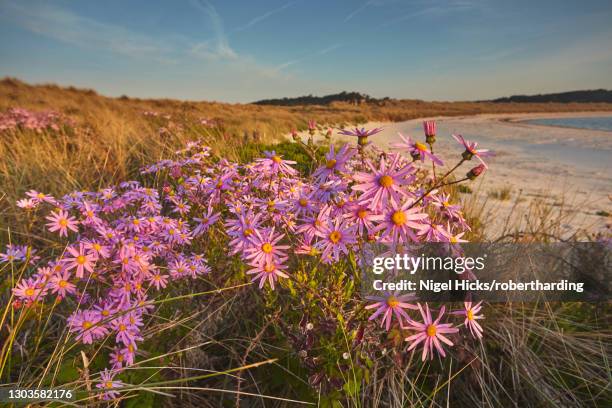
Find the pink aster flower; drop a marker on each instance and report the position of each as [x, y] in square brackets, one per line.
[389, 305]
[158, 280]
[127, 332]
[27, 203]
[430, 333]
[81, 260]
[336, 237]
[269, 271]
[417, 150]
[400, 223]
[442, 202]
[471, 151]
[362, 134]
[62, 222]
[29, 290]
[362, 217]
[60, 284]
[87, 324]
[274, 164]
[109, 385]
[471, 315]
[384, 184]
[37, 196]
[264, 247]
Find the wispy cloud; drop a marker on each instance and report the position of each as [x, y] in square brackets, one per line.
[358, 10]
[68, 27]
[264, 16]
[433, 10]
[308, 56]
[217, 48]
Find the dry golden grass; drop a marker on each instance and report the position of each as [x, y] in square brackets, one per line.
[112, 138]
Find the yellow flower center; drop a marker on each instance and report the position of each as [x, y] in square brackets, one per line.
[109, 384]
[269, 268]
[392, 301]
[335, 237]
[105, 313]
[40, 196]
[446, 204]
[470, 314]
[453, 240]
[29, 292]
[276, 159]
[97, 247]
[420, 146]
[63, 222]
[62, 284]
[331, 164]
[86, 325]
[362, 213]
[119, 358]
[303, 202]
[267, 247]
[81, 259]
[385, 181]
[431, 330]
[136, 222]
[398, 218]
[248, 232]
[122, 327]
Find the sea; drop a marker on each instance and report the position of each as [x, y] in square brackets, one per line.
[594, 123]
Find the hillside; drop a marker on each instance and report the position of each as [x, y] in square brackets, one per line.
[587, 96]
[353, 98]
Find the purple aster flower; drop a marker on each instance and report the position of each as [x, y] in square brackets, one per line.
[334, 163]
[86, 324]
[109, 385]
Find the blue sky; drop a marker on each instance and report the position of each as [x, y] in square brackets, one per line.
[240, 51]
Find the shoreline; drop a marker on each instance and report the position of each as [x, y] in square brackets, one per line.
[565, 168]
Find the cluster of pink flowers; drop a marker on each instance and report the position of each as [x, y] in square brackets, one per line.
[19, 118]
[128, 242]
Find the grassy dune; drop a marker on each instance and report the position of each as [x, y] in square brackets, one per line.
[113, 138]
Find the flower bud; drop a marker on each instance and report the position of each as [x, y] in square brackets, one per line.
[476, 171]
[295, 135]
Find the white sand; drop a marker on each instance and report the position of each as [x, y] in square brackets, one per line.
[568, 169]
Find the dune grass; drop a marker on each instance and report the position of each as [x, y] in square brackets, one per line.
[212, 343]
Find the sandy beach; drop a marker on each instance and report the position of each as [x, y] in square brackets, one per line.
[567, 169]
